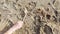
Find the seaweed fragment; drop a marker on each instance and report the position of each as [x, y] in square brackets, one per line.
[48, 16]
[53, 7]
[38, 24]
[56, 13]
[53, 1]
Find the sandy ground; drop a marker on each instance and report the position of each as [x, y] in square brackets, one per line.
[42, 16]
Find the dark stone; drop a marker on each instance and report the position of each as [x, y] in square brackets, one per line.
[37, 29]
[47, 29]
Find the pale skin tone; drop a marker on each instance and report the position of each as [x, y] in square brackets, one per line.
[16, 26]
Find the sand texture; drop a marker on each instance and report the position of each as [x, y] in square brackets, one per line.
[42, 16]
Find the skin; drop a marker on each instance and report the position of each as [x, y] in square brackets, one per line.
[18, 25]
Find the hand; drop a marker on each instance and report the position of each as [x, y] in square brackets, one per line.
[16, 26]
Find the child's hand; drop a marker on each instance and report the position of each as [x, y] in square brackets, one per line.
[16, 26]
